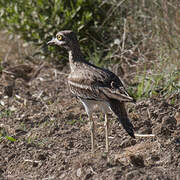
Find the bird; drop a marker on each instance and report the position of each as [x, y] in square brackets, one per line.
[94, 86]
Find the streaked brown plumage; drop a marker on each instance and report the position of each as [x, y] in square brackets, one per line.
[94, 85]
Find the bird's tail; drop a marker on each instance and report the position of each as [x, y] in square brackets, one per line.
[119, 110]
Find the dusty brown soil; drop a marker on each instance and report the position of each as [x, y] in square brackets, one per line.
[53, 139]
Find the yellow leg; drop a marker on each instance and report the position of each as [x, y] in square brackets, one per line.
[106, 124]
[92, 133]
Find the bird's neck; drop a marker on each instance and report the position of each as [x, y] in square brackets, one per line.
[75, 56]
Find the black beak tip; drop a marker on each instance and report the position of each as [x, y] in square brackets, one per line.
[49, 43]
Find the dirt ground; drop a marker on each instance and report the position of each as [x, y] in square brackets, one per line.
[53, 138]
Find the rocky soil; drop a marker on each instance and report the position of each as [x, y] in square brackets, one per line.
[44, 133]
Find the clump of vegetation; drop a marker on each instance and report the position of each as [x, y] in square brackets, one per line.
[158, 82]
[144, 34]
[38, 21]
[4, 135]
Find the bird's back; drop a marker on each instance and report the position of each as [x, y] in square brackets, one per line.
[92, 82]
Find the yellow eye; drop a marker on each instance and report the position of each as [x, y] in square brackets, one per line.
[59, 37]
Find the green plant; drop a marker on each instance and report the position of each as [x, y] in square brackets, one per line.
[158, 82]
[3, 134]
[10, 138]
[37, 21]
[72, 122]
[6, 113]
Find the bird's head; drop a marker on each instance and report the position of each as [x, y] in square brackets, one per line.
[66, 39]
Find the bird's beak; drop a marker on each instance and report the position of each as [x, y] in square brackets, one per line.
[51, 41]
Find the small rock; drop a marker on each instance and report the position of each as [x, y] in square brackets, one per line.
[89, 175]
[79, 172]
[177, 117]
[168, 125]
[177, 141]
[137, 161]
[170, 122]
[11, 157]
[41, 157]
[2, 103]
[127, 143]
[155, 157]
[62, 176]
[35, 164]
[20, 132]
[131, 175]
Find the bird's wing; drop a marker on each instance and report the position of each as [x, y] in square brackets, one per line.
[119, 110]
[81, 84]
[90, 82]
